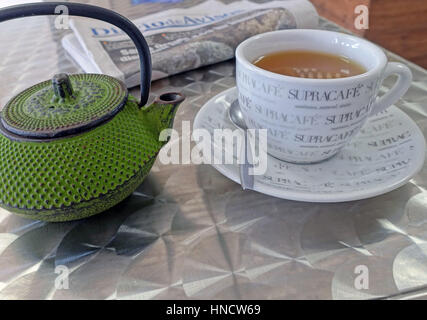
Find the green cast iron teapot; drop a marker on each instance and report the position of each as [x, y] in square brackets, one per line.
[78, 144]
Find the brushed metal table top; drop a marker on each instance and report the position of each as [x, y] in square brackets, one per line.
[189, 232]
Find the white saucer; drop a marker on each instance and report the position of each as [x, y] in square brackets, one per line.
[385, 155]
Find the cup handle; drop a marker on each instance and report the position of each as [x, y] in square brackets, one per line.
[401, 86]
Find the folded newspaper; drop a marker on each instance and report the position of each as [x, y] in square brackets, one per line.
[181, 39]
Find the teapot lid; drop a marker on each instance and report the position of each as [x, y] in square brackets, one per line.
[65, 105]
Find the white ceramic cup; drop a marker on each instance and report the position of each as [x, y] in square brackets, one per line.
[310, 120]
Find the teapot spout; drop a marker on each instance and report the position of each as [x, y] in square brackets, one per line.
[161, 112]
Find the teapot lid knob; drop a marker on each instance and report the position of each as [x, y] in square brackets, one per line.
[62, 86]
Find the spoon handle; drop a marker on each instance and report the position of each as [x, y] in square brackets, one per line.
[246, 180]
